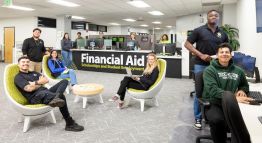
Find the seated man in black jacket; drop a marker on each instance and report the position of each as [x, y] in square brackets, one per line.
[144, 82]
[30, 84]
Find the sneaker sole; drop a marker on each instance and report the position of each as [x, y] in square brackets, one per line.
[198, 128]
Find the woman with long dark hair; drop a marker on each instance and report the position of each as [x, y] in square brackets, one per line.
[66, 45]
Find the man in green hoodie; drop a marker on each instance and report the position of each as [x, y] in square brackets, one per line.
[220, 78]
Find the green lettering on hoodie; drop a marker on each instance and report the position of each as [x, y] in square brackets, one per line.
[218, 79]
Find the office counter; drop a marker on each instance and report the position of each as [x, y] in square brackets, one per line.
[250, 114]
[114, 61]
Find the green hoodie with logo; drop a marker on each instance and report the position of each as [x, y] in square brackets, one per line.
[218, 79]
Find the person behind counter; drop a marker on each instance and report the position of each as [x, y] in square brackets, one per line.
[143, 82]
[132, 43]
[66, 45]
[164, 39]
[59, 70]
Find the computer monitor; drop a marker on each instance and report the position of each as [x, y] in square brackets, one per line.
[108, 43]
[81, 43]
[165, 49]
[91, 43]
[114, 40]
[246, 62]
[120, 39]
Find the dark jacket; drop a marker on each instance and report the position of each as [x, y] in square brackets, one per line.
[66, 44]
[148, 80]
[56, 67]
[218, 79]
[34, 49]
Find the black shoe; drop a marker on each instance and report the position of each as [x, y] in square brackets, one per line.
[56, 102]
[74, 127]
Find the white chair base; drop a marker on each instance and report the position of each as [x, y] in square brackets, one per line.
[28, 119]
[142, 102]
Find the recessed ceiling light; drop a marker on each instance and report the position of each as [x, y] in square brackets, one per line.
[144, 25]
[138, 3]
[78, 17]
[169, 26]
[157, 28]
[114, 23]
[129, 20]
[156, 13]
[19, 7]
[64, 3]
[156, 22]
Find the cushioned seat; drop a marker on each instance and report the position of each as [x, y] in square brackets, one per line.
[19, 102]
[150, 94]
[47, 73]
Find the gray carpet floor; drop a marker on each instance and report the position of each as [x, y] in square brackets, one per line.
[171, 122]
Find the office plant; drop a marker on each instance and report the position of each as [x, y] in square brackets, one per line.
[232, 34]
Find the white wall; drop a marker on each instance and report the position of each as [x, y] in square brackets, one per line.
[229, 14]
[23, 27]
[123, 30]
[183, 24]
[250, 41]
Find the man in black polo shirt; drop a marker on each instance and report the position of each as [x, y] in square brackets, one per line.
[207, 39]
[34, 49]
[30, 84]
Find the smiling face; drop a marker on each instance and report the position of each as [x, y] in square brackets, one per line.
[54, 54]
[224, 56]
[36, 34]
[212, 18]
[151, 60]
[24, 65]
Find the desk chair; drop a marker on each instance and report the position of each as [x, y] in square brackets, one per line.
[26, 110]
[235, 120]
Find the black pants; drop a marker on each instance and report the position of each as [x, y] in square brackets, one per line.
[217, 122]
[128, 82]
[45, 96]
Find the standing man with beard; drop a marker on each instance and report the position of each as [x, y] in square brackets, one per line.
[34, 49]
[207, 39]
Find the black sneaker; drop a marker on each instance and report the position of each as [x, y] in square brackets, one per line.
[198, 124]
[56, 102]
[74, 127]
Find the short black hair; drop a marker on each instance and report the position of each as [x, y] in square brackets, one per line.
[224, 45]
[37, 29]
[212, 11]
[79, 33]
[23, 57]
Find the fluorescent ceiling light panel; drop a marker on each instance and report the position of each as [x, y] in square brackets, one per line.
[64, 3]
[129, 20]
[168, 26]
[156, 13]
[19, 7]
[156, 22]
[138, 3]
[78, 17]
[144, 25]
[157, 28]
[114, 23]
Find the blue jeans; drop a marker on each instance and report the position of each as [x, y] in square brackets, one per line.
[67, 57]
[197, 110]
[71, 74]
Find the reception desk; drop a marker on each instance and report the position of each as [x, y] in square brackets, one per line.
[114, 61]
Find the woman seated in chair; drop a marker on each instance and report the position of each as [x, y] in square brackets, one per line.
[59, 70]
[143, 82]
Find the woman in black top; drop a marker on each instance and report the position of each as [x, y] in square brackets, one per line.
[66, 45]
[143, 82]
